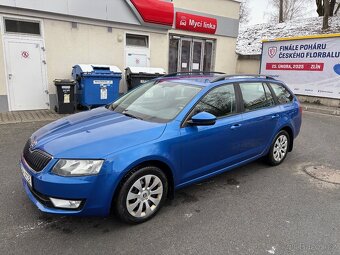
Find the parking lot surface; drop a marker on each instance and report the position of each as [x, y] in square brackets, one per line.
[255, 209]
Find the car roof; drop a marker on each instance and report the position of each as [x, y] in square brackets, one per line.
[211, 79]
[200, 77]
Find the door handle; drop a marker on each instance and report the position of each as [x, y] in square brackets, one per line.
[235, 126]
[275, 116]
[10, 76]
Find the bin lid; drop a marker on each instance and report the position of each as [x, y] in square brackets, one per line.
[60, 82]
[147, 70]
[87, 68]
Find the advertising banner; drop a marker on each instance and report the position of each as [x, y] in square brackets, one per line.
[195, 23]
[308, 66]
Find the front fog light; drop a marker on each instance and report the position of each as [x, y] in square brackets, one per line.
[67, 204]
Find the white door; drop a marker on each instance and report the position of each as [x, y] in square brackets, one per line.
[26, 74]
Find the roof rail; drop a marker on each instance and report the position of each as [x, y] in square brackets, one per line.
[231, 76]
[188, 73]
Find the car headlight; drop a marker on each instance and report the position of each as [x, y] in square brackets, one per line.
[77, 167]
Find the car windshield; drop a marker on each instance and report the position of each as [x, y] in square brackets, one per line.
[158, 101]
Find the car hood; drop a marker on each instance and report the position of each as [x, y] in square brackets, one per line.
[94, 134]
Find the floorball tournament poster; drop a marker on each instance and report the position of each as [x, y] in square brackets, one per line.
[308, 66]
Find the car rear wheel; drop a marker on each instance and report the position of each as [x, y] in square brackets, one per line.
[279, 148]
[142, 195]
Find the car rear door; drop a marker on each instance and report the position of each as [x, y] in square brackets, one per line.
[260, 118]
[207, 149]
[288, 106]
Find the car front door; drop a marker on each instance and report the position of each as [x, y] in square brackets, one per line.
[207, 149]
[259, 118]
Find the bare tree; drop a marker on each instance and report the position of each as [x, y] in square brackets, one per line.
[336, 11]
[285, 10]
[244, 11]
[331, 7]
[281, 11]
[326, 7]
[321, 6]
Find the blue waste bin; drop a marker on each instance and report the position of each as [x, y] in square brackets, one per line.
[97, 85]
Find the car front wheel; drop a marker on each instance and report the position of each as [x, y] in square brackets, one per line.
[142, 195]
[279, 148]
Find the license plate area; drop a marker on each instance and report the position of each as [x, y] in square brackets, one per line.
[26, 175]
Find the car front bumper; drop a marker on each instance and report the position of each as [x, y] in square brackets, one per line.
[95, 192]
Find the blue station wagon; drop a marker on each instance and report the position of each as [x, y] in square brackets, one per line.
[131, 155]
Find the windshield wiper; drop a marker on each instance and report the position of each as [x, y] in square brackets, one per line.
[131, 115]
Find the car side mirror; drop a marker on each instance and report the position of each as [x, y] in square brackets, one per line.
[202, 119]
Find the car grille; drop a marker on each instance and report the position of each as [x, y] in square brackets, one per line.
[36, 159]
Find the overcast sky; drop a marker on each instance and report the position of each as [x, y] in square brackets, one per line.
[258, 9]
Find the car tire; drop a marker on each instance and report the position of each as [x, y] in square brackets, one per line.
[279, 148]
[142, 194]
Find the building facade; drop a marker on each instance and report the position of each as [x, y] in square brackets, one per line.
[43, 39]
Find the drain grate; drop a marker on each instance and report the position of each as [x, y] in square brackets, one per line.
[324, 173]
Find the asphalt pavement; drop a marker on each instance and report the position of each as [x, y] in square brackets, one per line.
[255, 209]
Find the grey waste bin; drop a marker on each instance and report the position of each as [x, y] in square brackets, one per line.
[139, 75]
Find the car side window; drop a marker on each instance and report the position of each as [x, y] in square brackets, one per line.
[282, 94]
[254, 96]
[220, 101]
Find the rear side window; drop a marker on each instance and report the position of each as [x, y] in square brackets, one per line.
[254, 96]
[220, 101]
[282, 94]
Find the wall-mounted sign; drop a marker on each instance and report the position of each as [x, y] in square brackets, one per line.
[195, 23]
[310, 66]
[25, 54]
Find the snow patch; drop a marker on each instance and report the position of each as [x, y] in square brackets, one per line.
[272, 250]
[188, 215]
[249, 41]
